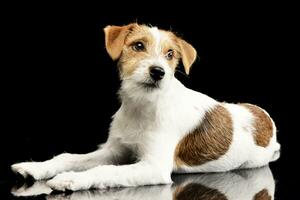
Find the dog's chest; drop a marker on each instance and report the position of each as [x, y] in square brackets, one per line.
[135, 126]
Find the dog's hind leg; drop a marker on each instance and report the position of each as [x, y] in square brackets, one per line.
[71, 162]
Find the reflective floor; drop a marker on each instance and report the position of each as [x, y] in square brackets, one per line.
[255, 184]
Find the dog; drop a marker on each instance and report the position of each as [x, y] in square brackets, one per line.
[161, 126]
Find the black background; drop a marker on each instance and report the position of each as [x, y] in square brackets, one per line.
[59, 84]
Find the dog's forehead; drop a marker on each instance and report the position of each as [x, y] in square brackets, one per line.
[157, 35]
[161, 35]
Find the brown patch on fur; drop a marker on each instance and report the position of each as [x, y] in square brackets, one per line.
[115, 38]
[171, 43]
[262, 195]
[130, 58]
[263, 125]
[183, 50]
[209, 141]
[194, 191]
[188, 54]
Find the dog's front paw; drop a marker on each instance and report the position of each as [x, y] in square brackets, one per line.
[69, 181]
[33, 169]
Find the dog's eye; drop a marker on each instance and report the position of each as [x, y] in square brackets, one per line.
[170, 54]
[138, 46]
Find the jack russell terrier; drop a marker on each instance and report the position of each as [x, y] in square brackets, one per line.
[161, 126]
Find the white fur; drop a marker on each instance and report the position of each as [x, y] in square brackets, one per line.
[158, 37]
[148, 126]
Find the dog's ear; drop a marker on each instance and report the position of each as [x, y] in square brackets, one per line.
[115, 38]
[188, 54]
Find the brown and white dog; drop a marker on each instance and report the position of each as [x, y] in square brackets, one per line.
[161, 126]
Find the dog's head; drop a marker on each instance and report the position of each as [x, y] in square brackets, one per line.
[147, 56]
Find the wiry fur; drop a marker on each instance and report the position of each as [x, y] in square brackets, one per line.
[152, 121]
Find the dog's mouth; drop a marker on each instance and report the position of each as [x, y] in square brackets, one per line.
[151, 85]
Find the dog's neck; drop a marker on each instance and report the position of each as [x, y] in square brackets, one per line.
[134, 98]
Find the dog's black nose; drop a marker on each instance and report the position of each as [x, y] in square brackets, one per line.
[157, 73]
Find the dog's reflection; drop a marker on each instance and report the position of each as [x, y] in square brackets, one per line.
[255, 184]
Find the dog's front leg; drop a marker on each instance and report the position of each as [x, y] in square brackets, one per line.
[154, 167]
[110, 153]
[141, 173]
